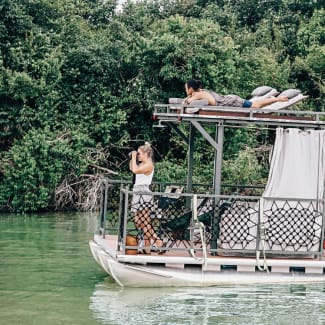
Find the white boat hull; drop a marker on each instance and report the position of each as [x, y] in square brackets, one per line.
[148, 272]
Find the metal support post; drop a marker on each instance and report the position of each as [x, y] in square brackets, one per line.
[218, 159]
[190, 159]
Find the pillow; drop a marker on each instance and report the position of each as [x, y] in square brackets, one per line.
[260, 91]
[175, 100]
[193, 106]
[192, 110]
[290, 93]
[273, 92]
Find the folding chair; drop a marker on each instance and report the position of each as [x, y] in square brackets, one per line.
[177, 229]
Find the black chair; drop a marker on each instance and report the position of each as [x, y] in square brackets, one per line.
[178, 227]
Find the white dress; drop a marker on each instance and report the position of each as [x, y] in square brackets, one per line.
[142, 201]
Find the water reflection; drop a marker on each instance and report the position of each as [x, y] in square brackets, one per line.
[258, 304]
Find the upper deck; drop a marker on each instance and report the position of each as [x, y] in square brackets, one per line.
[175, 113]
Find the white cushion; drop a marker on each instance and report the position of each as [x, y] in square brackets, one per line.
[260, 91]
[175, 100]
[192, 110]
[290, 93]
[273, 92]
[281, 105]
[195, 106]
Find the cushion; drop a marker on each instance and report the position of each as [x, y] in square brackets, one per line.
[199, 102]
[194, 106]
[175, 100]
[273, 92]
[290, 93]
[260, 91]
[290, 102]
[192, 110]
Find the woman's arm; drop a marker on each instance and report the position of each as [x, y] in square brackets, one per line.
[190, 99]
[143, 168]
[200, 95]
[196, 96]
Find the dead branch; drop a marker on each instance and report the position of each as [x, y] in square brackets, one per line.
[105, 169]
[82, 193]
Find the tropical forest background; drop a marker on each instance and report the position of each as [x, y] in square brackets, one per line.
[79, 80]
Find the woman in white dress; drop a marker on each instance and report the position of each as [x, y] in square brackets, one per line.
[141, 164]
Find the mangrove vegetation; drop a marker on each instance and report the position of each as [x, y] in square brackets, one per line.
[79, 79]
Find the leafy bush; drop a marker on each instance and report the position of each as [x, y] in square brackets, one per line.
[34, 166]
[244, 169]
[79, 65]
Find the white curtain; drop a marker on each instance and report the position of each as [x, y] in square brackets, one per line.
[297, 172]
[297, 165]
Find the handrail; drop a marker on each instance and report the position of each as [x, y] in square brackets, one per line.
[161, 183]
[242, 207]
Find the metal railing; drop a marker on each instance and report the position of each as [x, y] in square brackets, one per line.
[223, 225]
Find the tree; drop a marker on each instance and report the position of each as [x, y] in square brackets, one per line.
[34, 166]
[81, 69]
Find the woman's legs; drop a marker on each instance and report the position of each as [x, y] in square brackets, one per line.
[143, 221]
[263, 102]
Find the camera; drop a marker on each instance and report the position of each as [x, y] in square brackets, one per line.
[130, 157]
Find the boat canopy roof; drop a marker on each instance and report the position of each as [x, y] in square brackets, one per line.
[173, 115]
[176, 113]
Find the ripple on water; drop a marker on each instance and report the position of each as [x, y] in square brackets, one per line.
[257, 304]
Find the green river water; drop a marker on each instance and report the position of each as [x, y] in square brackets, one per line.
[48, 277]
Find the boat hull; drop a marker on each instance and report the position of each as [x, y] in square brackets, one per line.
[148, 272]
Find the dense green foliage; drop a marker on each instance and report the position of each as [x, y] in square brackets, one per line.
[79, 79]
